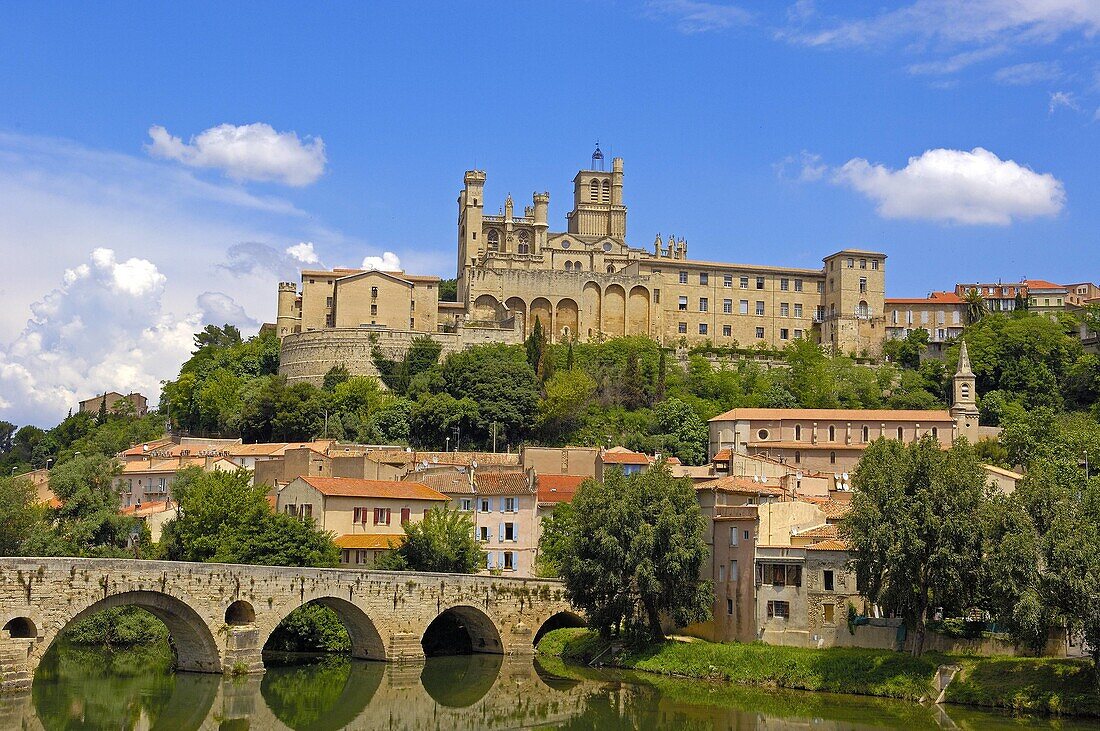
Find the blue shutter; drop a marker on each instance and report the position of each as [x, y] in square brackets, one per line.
[488, 560]
[500, 527]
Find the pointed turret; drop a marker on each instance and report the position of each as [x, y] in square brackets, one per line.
[964, 407]
[964, 362]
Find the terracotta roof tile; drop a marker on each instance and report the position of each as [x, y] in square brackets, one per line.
[501, 483]
[386, 489]
[558, 488]
[623, 456]
[723, 455]
[740, 486]
[836, 509]
[821, 532]
[370, 540]
[931, 415]
[450, 482]
[830, 544]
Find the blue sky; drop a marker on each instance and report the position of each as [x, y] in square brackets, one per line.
[763, 132]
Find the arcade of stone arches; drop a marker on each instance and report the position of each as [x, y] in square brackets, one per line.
[600, 311]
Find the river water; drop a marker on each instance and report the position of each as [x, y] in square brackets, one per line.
[80, 688]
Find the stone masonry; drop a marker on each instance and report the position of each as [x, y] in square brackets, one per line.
[221, 615]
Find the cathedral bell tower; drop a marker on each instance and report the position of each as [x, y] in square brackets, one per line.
[964, 403]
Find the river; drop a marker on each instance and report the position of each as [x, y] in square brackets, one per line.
[82, 688]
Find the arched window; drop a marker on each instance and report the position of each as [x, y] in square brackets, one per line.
[576, 266]
[832, 310]
[494, 240]
[964, 389]
[832, 457]
[832, 433]
[797, 433]
[798, 457]
[568, 266]
[862, 310]
[901, 434]
[523, 246]
[607, 191]
[594, 193]
[935, 433]
[610, 269]
[866, 434]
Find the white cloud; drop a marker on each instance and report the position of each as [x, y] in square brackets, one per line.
[220, 308]
[696, 16]
[956, 186]
[246, 152]
[1062, 100]
[957, 62]
[810, 167]
[1022, 74]
[304, 253]
[388, 262]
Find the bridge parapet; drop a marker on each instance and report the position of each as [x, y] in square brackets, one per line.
[221, 615]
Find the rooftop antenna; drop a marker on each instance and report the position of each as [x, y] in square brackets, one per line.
[597, 157]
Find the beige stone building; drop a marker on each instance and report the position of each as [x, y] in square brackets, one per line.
[586, 282]
[941, 314]
[116, 402]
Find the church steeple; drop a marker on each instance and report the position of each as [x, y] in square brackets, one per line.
[964, 406]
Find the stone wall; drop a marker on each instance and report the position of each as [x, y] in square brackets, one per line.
[220, 615]
[307, 356]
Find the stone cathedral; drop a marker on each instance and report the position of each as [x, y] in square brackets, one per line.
[585, 283]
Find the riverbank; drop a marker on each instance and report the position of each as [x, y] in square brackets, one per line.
[1040, 685]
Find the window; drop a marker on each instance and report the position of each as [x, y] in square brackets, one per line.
[509, 561]
[486, 505]
[727, 331]
[798, 309]
[743, 307]
[760, 283]
[746, 535]
[798, 285]
[306, 510]
[289, 509]
[721, 572]
[821, 287]
[406, 515]
[830, 612]
[682, 328]
[851, 263]
[760, 307]
[483, 534]
[964, 389]
[381, 516]
[509, 532]
[704, 304]
[784, 309]
[594, 192]
[862, 284]
[466, 504]
[828, 580]
[704, 278]
[935, 433]
[509, 505]
[328, 302]
[866, 434]
[568, 266]
[727, 307]
[832, 457]
[373, 310]
[702, 328]
[359, 515]
[374, 291]
[733, 570]
[729, 606]
[727, 281]
[524, 246]
[759, 333]
[874, 263]
[901, 434]
[779, 610]
[798, 457]
[784, 334]
[798, 432]
[784, 285]
[656, 296]
[763, 435]
[744, 283]
[733, 536]
[565, 243]
[832, 433]
[494, 240]
[797, 334]
[683, 277]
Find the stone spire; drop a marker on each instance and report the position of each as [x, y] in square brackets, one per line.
[964, 362]
[964, 406]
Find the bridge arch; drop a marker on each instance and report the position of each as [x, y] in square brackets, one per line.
[21, 628]
[239, 613]
[196, 648]
[558, 620]
[462, 680]
[366, 642]
[462, 629]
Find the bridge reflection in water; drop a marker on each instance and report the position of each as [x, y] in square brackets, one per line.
[82, 688]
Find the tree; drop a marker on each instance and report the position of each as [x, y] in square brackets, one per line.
[223, 518]
[906, 352]
[448, 290]
[631, 550]
[88, 522]
[535, 345]
[7, 436]
[434, 419]
[23, 516]
[553, 541]
[567, 396]
[213, 336]
[334, 377]
[911, 528]
[691, 438]
[502, 385]
[442, 542]
[101, 417]
[975, 306]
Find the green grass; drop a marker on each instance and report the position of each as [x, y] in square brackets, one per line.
[1022, 684]
[1035, 685]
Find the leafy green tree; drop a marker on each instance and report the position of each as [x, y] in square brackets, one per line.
[213, 336]
[553, 541]
[502, 385]
[907, 351]
[88, 522]
[434, 419]
[535, 346]
[392, 420]
[7, 436]
[23, 516]
[442, 542]
[911, 528]
[399, 375]
[975, 306]
[690, 436]
[334, 377]
[101, 417]
[631, 550]
[223, 518]
[567, 396]
[448, 290]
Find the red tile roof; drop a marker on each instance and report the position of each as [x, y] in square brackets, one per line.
[624, 457]
[370, 540]
[385, 489]
[917, 415]
[501, 483]
[821, 532]
[450, 482]
[723, 455]
[740, 485]
[830, 544]
[1041, 284]
[558, 488]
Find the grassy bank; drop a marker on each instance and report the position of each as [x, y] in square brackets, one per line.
[1032, 685]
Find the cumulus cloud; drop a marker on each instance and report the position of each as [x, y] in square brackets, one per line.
[220, 308]
[697, 16]
[956, 186]
[246, 152]
[810, 167]
[304, 253]
[388, 262]
[1023, 74]
[1062, 100]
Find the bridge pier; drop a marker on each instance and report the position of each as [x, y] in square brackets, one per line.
[243, 651]
[16, 668]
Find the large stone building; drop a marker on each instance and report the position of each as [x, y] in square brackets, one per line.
[586, 282]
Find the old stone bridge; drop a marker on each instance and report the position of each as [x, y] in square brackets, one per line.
[221, 615]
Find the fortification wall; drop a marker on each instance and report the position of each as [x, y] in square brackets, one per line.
[309, 355]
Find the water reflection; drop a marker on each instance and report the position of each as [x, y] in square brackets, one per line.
[95, 689]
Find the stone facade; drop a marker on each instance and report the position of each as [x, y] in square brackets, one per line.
[586, 283]
[220, 615]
